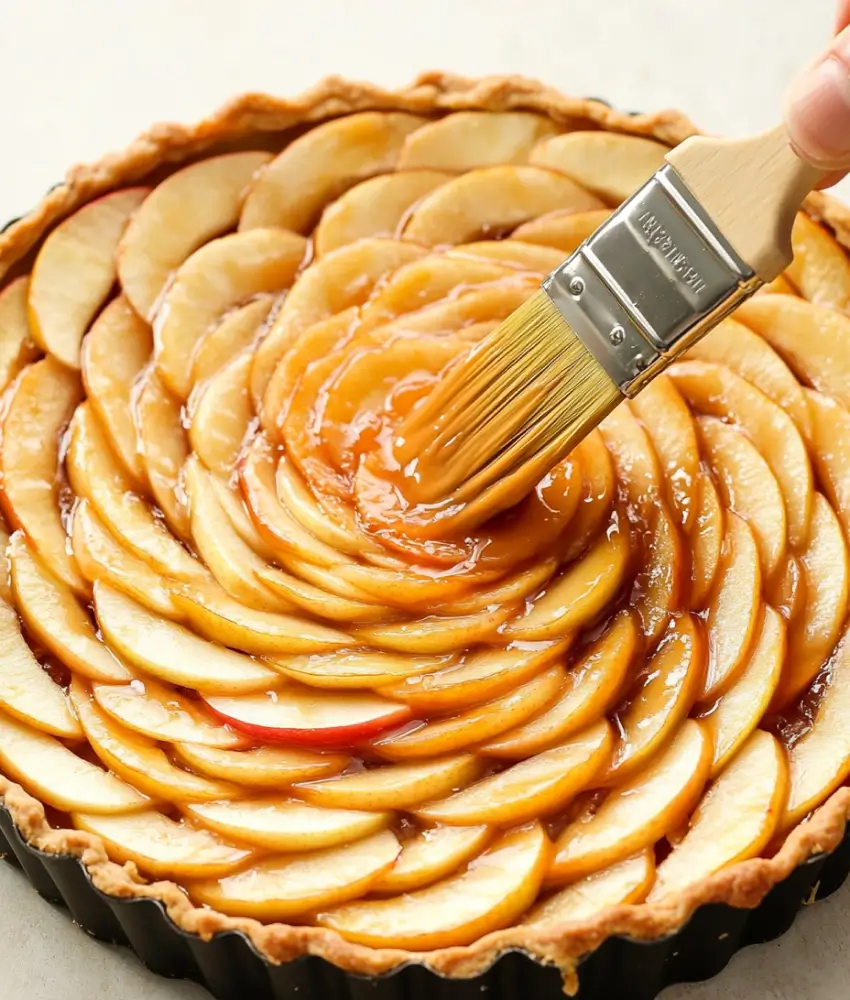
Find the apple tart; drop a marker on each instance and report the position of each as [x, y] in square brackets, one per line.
[236, 680]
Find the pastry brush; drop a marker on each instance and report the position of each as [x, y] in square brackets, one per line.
[709, 228]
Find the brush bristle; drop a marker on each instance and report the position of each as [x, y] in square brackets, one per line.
[514, 407]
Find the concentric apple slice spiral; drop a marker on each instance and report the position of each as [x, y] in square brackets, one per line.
[224, 652]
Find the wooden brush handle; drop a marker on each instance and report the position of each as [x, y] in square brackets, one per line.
[752, 189]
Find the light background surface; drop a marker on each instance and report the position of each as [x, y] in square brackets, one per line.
[81, 77]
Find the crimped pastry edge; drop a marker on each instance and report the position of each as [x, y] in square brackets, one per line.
[563, 945]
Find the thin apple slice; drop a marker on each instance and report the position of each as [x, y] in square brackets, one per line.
[216, 616]
[163, 848]
[171, 652]
[272, 767]
[375, 207]
[609, 163]
[706, 541]
[639, 813]
[282, 888]
[787, 593]
[320, 602]
[719, 392]
[17, 348]
[26, 690]
[538, 786]
[96, 476]
[748, 487]
[61, 779]
[430, 855]
[820, 269]
[100, 557]
[161, 713]
[469, 139]
[164, 447]
[741, 709]
[811, 637]
[463, 208]
[5, 572]
[220, 275]
[598, 495]
[635, 460]
[491, 893]
[753, 789]
[626, 882]
[37, 409]
[316, 167]
[236, 331]
[75, 271]
[529, 257]
[305, 717]
[733, 614]
[138, 760]
[477, 725]
[658, 584]
[53, 615]
[114, 353]
[579, 594]
[593, 683]
[434, 635]
[661, 698]
[564, 229]
[182, 213]
[230, 499]
[830, 447]
[287, 824]
[220, 412]
[359, 668]
[395, 786]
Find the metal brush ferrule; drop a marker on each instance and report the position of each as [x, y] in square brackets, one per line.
[650, 282]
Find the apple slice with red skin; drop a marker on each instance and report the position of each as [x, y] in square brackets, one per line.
[307, 717]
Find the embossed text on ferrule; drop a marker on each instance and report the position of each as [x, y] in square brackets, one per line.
[658, 237]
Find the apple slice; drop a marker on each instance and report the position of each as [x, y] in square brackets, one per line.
[733, 614]
[100, 557]
[491, 893]
[719, 392]
[272, 767]
[430, 855]
[75, 271]
[830, 450]
[812, 636]
[216, 616]
[538, 786]
[163, 714]
[287, 824]
[635, 460]
[236, 331]
[319, 602]
[173, 653]
[593, 684]
[359, 668]
[434, 635]
[182, 213]
[787, 591]
[26, 690]
[163, 848]
[375, 207]
[164, 448]
[306, 717]
[743, 706]
[598, 495]
[220, 275]
[660, 699]
[53, 615]
[627, 882]
[753, 789]
[612, 165]
[5, 572]
[17, 347]
[37, 409]
[658, 585]
[140, 761]
[748, 487]
[464, 208]
[530, 257]
[96, 476]
[476, 725]
[579, 594]
[48, 769]
[282, 888]
[220, 411]
[820, 268]
[230, 500]
[564, 229]
[706, 541]
[639, 813]
[114, 353]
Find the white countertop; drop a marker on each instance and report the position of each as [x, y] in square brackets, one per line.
[81, 77]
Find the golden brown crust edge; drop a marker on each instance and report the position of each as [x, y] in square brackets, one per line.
[741, 885]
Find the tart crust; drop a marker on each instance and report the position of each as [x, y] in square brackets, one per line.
[741, 885]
